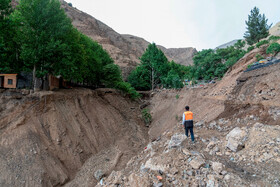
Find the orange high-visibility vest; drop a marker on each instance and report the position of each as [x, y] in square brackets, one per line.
[188, 116]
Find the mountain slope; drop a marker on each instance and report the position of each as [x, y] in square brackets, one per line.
[124, 49]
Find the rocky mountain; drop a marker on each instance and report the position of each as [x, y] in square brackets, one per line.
[228, 44]
[275, 30]
[124, 49]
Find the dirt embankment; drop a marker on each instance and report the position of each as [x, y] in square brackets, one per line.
[47, 137]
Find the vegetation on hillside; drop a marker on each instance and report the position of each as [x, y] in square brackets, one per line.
[38, 37]
[155, 71]
[274, 48]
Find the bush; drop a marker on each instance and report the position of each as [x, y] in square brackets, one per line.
[259, 57]
[126, 88]
[146, 116]
[249, 66]
[70, 4]
[250, 49]
[274, 48]
[273, 38]
[177, 96]
[262, 43]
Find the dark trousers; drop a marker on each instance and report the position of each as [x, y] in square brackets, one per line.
[187, 129]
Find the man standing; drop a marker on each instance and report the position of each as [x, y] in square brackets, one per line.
[188, 122]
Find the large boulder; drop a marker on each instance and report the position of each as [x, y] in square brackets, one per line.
[138, 181]
[197, 162]
[217, 167]
[176, 140]
[236, 139]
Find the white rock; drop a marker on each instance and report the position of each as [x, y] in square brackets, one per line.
[217, 167]
[197, 162]
[176, 140]
[236, 139]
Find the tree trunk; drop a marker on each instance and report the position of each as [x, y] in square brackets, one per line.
[34, 78]
[153, 79]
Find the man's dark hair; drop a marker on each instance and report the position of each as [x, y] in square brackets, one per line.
[187, 108]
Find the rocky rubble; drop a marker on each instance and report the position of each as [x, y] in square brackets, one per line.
[232, 159]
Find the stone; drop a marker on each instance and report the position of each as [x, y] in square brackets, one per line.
[217, 167]
[186, 152]
[224, 172]
[213, 125]
[174, 171]
[157, 184]
[176, 140]
[197, 162]
[138, 181]
[236, 139]
[98, 175]
[227, 177]
[199, 124]
[153, 164]
[190, 173]
[211, 145]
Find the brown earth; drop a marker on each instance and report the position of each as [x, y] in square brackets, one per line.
[46, 137]
[247, 100]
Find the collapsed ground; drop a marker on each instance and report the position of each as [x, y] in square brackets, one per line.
[237, 132]
[77, 137]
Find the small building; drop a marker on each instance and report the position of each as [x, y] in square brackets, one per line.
[24, 80]
[8, 80]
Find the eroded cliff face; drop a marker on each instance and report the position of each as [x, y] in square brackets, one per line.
[46, 137]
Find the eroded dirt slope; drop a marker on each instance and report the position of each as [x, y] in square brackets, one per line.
[236, 130]
[46, 137]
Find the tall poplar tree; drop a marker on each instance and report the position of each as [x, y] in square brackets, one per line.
[9, 48]
[257, 27]
[44, 31]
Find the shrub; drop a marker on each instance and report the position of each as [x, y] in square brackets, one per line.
[273, 38]
[146, 116]
[250, 49]
[126, 88]
[70, 4]
[262, 43]
[249, 66]
[259, 57]
[177, 96]
[274, 48]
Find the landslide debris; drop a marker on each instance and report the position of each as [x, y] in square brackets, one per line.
[236, 131]
[208, 162]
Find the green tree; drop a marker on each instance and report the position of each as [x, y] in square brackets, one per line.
[239, 44]
[154, 66]
[139, 78]
[172, 80]
[257, 27]
[156, 62]
[9, 45]
[45, 28]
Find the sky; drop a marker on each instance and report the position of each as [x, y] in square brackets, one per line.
[202, 24]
